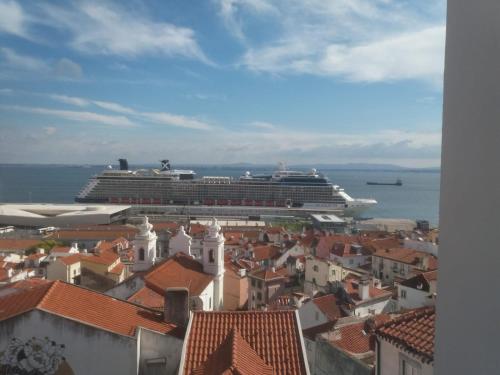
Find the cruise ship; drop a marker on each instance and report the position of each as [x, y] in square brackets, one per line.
[167, 186]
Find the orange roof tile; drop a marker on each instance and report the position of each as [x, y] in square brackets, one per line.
[85, 306]
[265, 252]
[148, 297]
[351, 286]
[414, 331]
[268, 274]
[104, 257]
[329, 306]
[234, 356]
[407, 256]
[69, 260]
[17, 245]
[357, 338]
[118, 269]
[179, 270]
[60, 249]
[271, 335]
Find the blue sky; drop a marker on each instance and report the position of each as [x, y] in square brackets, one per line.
[222, 81]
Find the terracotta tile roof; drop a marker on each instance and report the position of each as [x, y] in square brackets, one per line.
[329, 306]
[265, 252]
[179, 270]
[234, 356]
[271, 335]
[148, 297]
[104, 233]
[357, 338]
[274, 230]
[72, 259]
[60, 249]
[351, 286]
[196, 229]
[17, 245]
[407, 256]
[85, 306]
[106, 258]
[118, 269]
[268, 274]
[413, 331]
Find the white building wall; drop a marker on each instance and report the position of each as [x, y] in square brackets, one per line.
[311, 316]
[389, 360]
[351, 261]
[157, 348]
[426, 246]
[87, 350]
[207, 297]
[365, 310]
[414, 298]
[295, 251]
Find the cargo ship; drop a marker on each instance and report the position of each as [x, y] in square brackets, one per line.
[397, 183]
[167, 186]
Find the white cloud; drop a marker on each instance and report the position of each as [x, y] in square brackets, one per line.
[262, 125]
[65, 68]
[417, 55]
[49, 130]
[75, 115]
[73, 100]
[114, 107]
[356, 40]
[17, 61]
[176, 120]
[101, 28]
[12, 19]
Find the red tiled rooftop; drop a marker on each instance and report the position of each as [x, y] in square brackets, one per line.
[148, 297]
[407, 256]
[106, 258]
[273, 336]
[234, 356]
[84, 306]
[17, 245]
[268, 274]
[118, 269]
[60, 249]
[72, 259]
[265, 252]
[351, 285]
[179, 270]
[356, 338]
[328, 305]
[413, 331]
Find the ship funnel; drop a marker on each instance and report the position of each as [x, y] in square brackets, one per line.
[123, 164]
[165, 165]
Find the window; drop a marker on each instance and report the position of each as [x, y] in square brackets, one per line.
[211, 258]
[253, 282]
[259, 296]
[74, 272]
[314, 280]
[351, 261]
[333, 272]
[259, 284]
[210, 303]
[315, 268]
[408, 366]
[141, 253]
[403, 294]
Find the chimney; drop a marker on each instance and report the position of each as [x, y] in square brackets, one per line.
[74, 245]
[40, 250]
[364, 288]
[425, 262]
[177, 306]
[242, 272]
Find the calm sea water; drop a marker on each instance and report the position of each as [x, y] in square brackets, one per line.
[418, 198]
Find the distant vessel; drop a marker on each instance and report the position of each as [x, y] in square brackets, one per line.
[397, 183]
[167, 186]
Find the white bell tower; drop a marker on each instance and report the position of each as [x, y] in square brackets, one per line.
[144, 246]
[213, 260]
